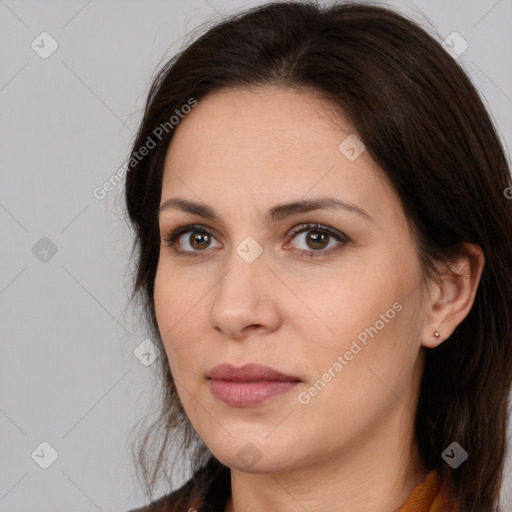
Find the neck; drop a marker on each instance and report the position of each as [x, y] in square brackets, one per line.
[376, 473]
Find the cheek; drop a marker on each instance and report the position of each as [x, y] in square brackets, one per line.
[372, 314]
[385, 337]
[176, 306]
[348, 301]
[358, 376]
[176, 295]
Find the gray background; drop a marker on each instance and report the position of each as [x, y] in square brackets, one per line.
[68, 373]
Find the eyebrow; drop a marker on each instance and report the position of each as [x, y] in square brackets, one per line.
[274, 214]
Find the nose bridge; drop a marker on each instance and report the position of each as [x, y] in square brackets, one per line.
[241, 291]
[245, 266]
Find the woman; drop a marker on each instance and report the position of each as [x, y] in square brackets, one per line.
[323, 239]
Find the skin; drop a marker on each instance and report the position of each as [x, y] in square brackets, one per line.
[241, 151]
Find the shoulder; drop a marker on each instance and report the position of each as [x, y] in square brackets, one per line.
[169, 502]
[182, 499]
[209, 487]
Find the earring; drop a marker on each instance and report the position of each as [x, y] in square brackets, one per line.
[437, 335]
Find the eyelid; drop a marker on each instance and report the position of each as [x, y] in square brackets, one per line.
[323, 228]
[173, 237]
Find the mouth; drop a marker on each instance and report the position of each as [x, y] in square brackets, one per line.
[248, 373]
[249, 385]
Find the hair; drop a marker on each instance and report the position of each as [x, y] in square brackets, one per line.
[424, 124]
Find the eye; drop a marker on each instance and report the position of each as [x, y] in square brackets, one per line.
[316, 239]
[199, 239]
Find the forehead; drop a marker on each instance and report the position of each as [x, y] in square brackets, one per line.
[269, 145]
[265, 118]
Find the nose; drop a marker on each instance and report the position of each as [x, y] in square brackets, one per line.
[245, 299]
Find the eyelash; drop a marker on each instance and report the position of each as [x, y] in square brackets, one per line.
[172, 238]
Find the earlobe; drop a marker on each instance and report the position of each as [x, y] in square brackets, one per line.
[435, 340]
[453, 295]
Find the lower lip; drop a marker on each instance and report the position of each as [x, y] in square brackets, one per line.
[242, 394]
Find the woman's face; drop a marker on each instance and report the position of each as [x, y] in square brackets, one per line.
[343, 318]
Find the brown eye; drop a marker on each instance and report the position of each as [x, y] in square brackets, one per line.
[199, 240]
[316, 239]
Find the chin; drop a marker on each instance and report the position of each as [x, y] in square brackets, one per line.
[256, 456]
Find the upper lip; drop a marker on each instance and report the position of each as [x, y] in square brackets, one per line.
[249, 372]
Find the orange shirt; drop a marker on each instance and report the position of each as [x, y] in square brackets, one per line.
[431, 495]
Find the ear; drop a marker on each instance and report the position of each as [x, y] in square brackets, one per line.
[452, 297]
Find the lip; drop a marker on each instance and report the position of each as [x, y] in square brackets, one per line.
[247, 373]
[249, 385]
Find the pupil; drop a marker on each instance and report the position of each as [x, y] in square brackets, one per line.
[197, 239]
[315, 239]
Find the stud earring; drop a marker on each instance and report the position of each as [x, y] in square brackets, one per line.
[437, 335]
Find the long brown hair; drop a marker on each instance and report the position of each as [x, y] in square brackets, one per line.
[424, 123]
